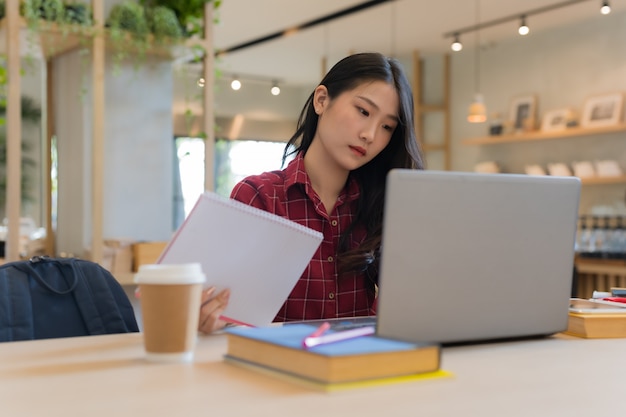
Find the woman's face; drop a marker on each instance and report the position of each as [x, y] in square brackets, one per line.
[354, 127]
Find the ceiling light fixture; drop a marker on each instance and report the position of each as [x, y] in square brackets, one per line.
[512, 18]
[606, 8]
[477, 112]
[235, 84]
[523, 27]
[275, 90]
[456, 45]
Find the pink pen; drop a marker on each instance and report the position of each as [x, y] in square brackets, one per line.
[311, 340]
[317, 333]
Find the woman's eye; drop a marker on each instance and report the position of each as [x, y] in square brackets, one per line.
[363, 111]
[389, 128]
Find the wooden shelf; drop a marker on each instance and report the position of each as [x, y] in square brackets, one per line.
[604, 180]
[539, 135]
[54, 41]
[600, 266]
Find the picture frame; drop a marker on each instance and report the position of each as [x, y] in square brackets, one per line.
[603, 110]
[555, 120]
[523, 113]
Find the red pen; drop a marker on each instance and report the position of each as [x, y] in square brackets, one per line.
[615, 299]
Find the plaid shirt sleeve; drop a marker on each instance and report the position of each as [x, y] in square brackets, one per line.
[319, 293]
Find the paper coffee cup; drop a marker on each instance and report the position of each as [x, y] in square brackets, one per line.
[170, 308]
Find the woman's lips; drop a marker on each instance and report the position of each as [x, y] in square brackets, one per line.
[359, 150]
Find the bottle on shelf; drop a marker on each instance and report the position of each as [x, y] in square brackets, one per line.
[584, 237]
[601, 237]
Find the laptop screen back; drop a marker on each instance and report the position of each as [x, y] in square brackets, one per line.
[473, 257]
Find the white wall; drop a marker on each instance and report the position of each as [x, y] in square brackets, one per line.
[138, 151]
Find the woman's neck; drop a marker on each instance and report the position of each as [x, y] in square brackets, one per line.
[327, 178]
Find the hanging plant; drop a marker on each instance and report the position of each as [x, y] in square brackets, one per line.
[163, 23]
[128, 28]
[188, 12]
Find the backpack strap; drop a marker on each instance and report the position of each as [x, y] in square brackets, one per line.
[86, 300]
[27, 268]
[16, 318]
[101, 299]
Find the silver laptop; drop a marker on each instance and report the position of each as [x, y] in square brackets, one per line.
[470, 257]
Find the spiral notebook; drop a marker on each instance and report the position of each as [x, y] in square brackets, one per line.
[258, 255]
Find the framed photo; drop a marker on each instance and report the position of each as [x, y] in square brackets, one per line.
[555, 120]
[604, 110]
[522, 114]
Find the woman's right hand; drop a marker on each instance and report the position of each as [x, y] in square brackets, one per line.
[211, 308]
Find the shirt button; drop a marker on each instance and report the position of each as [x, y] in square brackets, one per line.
[334, 222]
[330, 259]
[331, 295]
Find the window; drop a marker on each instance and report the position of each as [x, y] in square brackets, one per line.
[234, 160]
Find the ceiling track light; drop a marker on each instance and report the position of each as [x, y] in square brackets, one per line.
[606, 8]
[523, 27]
[456, 45]
[275, 90]
[455, 34]
[235, 84]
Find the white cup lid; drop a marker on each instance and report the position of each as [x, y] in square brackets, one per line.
[167, 274]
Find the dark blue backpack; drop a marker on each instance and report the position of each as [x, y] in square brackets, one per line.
[48, 297]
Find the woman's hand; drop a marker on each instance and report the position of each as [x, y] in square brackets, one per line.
[211, 309]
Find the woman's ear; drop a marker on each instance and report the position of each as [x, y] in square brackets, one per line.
[320, 98]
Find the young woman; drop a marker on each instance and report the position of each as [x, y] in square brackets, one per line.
[355, 126]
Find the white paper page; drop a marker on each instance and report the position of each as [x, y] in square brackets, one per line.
[258, 255]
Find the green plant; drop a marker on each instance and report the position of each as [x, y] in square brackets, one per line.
[188, 12]
[125, 18]
[128, 16]
[78, 14]
[163, 23]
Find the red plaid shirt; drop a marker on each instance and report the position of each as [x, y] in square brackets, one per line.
[318, 294]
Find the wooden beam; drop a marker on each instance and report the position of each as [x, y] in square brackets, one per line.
[208, 99]
[97, 151]
[49, 245]
[14, 132]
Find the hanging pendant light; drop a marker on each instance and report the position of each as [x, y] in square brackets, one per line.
[477, 112]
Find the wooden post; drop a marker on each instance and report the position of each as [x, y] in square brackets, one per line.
[49, 246]
[208, 98]
[97, 151]
[14, 132]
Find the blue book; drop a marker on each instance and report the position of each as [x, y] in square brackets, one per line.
[280, 349]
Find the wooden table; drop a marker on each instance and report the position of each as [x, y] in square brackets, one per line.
[108, 376]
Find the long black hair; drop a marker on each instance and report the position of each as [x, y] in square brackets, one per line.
[402, 152]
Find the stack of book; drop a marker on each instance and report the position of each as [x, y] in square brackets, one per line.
[596, 318]
[363, 361]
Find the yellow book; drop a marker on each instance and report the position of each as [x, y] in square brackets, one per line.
[368, 358]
